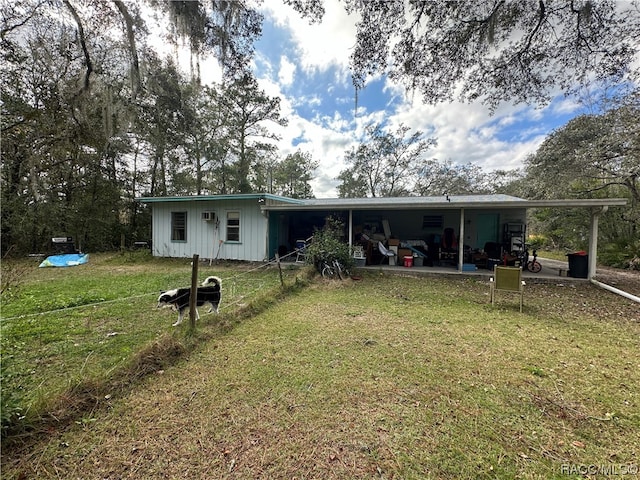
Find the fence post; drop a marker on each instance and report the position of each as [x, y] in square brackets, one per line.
[194, 292]
[279, 269]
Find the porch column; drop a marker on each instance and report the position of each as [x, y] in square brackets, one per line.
[350, 230]
[461, 241]
[593, 241]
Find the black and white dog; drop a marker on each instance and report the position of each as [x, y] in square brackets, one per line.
[210, 292]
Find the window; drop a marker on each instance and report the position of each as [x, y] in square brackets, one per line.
[233, 226]
[178, 226]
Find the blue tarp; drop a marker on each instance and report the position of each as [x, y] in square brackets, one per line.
[67, 260]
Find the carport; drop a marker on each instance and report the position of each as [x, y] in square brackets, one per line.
[476, 218]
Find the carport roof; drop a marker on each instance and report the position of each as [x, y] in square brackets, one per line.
[441, 202]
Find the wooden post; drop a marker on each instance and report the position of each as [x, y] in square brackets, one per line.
[280, 269]
[194, 292]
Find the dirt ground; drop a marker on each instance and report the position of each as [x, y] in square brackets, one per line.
[625, 280]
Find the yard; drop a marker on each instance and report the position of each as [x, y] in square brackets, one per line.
[386, 377]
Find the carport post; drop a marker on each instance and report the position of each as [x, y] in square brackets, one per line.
[350, 230]
[461, 241]
[593, 241]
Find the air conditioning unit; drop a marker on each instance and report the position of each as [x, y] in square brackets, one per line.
[208, 216]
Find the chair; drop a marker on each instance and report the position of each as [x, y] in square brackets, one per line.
[493, 250]
[301, 246]
[386, 253]
[507, 279]
[449, 245]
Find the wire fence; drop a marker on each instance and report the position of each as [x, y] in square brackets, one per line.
[233, 285]
[42, 352]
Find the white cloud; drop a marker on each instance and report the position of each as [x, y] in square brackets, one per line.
[287, 71]
[322, 45]
[464, 132]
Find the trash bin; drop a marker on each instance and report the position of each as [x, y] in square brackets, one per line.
[578, 264]
[408, 261]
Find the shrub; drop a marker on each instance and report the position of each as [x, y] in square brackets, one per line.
[621, 255]
[328, 243]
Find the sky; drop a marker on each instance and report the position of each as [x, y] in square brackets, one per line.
[307, 66]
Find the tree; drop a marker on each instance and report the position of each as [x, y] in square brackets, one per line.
[384, 165]
[61, 170]
[592, 156]
[292, 176]
[441, 178]
[248, 109]
[495, 50]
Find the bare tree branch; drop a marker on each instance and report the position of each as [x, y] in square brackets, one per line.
[135, 67]
[83, 43]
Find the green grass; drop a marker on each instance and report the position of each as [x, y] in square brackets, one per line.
[388, 377]
[65, 328]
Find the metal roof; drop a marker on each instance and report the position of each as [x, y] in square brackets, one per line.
[444, 202]
[234, 196]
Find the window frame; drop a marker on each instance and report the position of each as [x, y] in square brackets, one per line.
[232, 230]
[176, 228]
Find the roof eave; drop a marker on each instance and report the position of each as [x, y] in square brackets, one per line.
[203, 198]
[516, 204]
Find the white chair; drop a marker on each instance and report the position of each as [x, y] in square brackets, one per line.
[386, 253]
[301, 254]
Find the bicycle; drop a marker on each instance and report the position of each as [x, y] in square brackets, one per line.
[534, 266]
[331, 268]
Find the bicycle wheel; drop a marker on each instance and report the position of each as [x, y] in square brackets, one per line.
[327, 272]
[534, 266]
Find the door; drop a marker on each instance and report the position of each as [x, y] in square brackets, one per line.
[487, 229]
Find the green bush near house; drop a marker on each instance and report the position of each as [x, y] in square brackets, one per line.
[328, 244]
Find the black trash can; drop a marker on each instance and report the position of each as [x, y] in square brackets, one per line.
[578, 264]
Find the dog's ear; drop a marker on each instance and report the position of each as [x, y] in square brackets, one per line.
[162, 291]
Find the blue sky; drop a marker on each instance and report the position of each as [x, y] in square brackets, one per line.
[307, 67]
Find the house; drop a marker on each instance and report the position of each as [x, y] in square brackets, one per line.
[233, 227]
[254, 227]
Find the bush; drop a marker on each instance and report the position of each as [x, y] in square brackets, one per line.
[328, 243]
[537, 241]
[621, 255]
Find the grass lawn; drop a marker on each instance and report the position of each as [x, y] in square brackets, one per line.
[70, 329]
[387, 377]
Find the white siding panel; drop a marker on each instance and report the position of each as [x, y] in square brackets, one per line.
[203, 238]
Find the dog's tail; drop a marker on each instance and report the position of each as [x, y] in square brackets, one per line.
[209, 281]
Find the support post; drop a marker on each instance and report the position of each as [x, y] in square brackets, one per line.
[350, 232]
[461, 241]
[593, 242]
[194, 292]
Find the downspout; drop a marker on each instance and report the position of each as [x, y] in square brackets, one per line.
[461, 241]
[615, 290]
